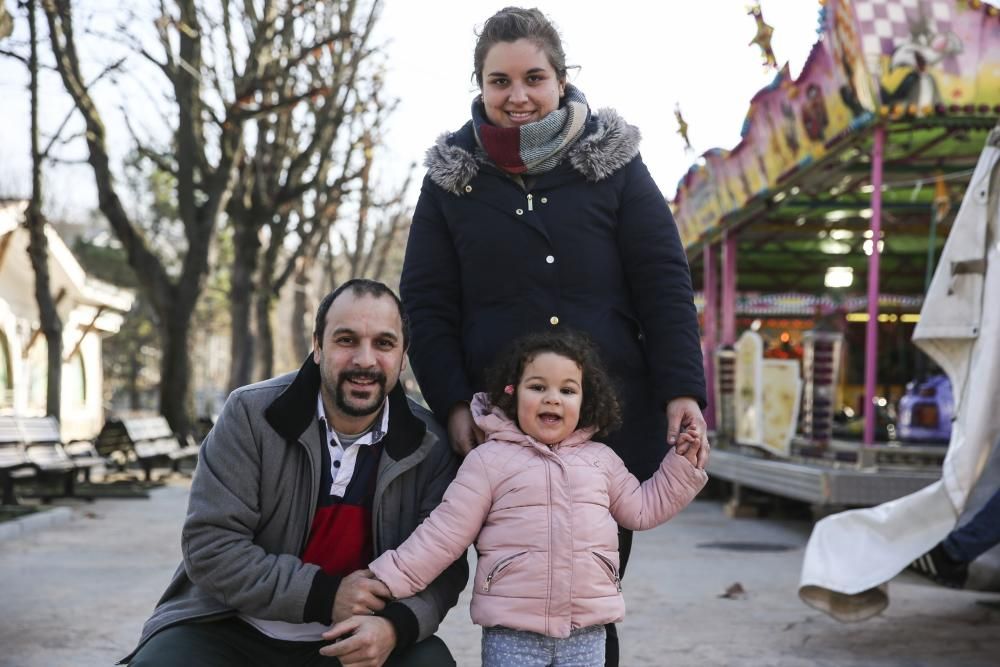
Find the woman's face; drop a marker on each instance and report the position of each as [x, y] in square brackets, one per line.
[520, 86]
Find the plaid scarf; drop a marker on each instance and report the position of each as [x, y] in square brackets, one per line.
[537, 147]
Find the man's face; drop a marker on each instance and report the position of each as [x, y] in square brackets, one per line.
[360, 358]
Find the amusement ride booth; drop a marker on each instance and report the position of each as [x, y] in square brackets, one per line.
[813, 243]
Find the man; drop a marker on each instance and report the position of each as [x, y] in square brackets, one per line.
[303, 479]
[948, 562]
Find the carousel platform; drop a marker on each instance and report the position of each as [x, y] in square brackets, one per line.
[844, 474]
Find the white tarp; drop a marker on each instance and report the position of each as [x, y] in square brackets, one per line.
[851, 556]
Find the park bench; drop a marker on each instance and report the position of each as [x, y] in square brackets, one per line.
[14, 463]
[41, 451]
[148, 441]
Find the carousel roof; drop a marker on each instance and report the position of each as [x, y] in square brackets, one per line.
[798, 186]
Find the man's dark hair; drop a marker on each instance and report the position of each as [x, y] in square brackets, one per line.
[600, 407]
[359, 287]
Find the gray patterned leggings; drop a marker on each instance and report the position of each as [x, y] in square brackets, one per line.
[503, 647]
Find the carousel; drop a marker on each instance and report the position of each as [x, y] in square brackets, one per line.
[813, 243]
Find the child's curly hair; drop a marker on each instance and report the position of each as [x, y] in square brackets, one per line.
[600, 407]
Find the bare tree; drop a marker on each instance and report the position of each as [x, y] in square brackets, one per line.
[377, 227]
[214, 63]
[302, 165]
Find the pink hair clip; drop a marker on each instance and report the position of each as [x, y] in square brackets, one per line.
[509, 389]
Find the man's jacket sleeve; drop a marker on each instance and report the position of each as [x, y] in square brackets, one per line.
[217, 540]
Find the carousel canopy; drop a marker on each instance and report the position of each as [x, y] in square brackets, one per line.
[798, 185]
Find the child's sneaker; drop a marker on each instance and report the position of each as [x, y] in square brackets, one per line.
[941, 568]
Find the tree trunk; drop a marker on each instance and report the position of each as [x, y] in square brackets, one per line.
[176, 401]
[300, 331]
[246, 249]
[38, 247]
[264, 302]
[134, 368]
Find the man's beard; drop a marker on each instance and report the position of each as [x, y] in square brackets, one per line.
[341, 397]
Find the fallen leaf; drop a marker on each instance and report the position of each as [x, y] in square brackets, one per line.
[734, 592]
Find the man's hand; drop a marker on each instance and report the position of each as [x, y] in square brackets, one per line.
[462, 429]
[683, 414]
[364, 641]
[360, 593]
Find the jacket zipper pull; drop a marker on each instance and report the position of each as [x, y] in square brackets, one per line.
[531, 201]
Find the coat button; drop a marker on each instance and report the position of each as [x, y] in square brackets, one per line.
[468, 188]
[545, 200]
[553, 320]
[549, 259]
[519, 211]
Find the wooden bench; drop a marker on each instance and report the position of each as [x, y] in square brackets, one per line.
[40, 443]
[148, 441]
[14, 463]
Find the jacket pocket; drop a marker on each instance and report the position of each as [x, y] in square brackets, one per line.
[499, 568]
[609, 568]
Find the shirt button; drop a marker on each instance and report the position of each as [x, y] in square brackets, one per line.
[545, 200]
[553, 320]
[549, 259]
[519, 211]
[336, 464]
[468, 188]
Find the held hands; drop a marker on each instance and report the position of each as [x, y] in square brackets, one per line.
[361, 641]
[462, 429]
[359, 594]
[687, 430]
[688, 444]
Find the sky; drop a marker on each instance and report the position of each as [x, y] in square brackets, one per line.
[638, 56]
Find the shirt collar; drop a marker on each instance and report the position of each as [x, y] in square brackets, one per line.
[373, 436]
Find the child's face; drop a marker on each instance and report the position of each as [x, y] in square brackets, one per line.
[549, 397]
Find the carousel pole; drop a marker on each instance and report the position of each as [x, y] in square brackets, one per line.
[871, 329]
[709, 320]
[729, 287]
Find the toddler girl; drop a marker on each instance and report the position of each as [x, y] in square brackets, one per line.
[542, 501]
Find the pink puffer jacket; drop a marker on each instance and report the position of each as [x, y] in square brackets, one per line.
[543, 520]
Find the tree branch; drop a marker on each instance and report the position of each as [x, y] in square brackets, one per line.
[147, 265]
[16, 56]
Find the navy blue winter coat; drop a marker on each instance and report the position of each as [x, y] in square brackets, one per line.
[589, 245]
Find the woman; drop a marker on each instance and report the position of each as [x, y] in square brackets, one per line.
[538, 213]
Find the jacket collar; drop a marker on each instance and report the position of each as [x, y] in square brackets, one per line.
[608, 144]
[294, 411]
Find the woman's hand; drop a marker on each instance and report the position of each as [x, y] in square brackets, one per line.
[683, 414]
[462, 429]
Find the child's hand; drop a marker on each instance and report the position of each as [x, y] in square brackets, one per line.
[691, 437]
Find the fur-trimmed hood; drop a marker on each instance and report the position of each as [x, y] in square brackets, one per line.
[608, 144]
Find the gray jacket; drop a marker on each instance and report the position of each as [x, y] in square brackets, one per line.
[252, 502]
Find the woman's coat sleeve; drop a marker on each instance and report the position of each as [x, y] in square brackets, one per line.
[660, 282]
[431, 292]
